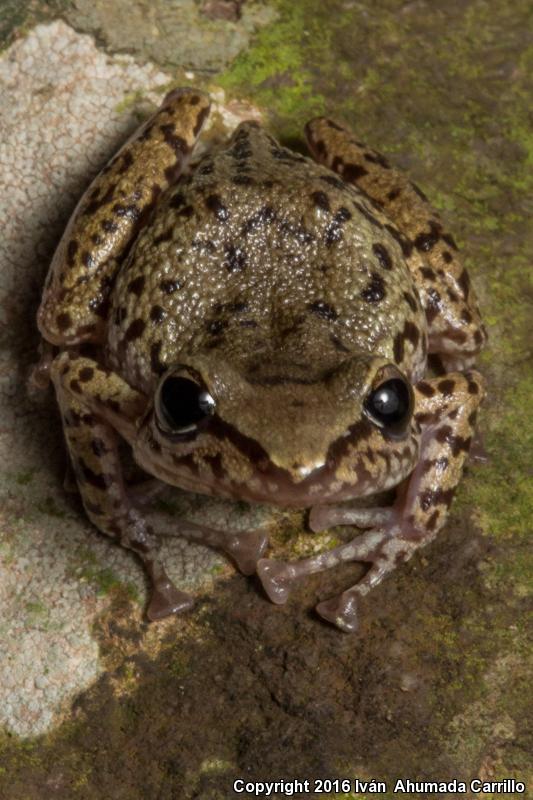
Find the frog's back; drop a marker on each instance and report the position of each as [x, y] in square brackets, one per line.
[261, 251]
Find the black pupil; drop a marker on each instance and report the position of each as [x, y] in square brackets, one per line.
[389, 404]
[184, 403]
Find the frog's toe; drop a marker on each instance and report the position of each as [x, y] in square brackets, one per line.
[167, 600]
[341, 611]
[246, 549]
[275, 578]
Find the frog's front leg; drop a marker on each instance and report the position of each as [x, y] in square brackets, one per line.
[445, 411]
[96, 405]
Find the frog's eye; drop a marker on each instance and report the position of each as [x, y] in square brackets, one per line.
[182, 404]
[390, 405]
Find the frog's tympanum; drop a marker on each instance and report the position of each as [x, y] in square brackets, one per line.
[258, 328]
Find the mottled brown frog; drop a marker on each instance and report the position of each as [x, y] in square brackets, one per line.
[258, 328]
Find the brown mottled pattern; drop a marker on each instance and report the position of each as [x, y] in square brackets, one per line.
[110, 214]
[408, 208]
[275, 237]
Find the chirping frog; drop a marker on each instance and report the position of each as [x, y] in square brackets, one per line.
[258, 328]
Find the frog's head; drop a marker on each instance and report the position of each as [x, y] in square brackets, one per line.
[281, 434]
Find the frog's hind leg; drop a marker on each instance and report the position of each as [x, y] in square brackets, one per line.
[455, 330]
[446, 411]
[109, 216]
[92, 444]
[96, 405]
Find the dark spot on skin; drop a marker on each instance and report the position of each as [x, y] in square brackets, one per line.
[458, 336]
[377, 158]
[237, 308]
[264, 216]
[235, 260]
[333, 232]
[452, 296]
[203, 245]
[446, 387]
[86, 374]
[87, 259]
[156, 364]
[72, 249]
[478, 337]
[109, 226]
[473, 387]
[177, 201]
[464, 283]
[410, 300]
[428, 273]
[453, 414]
[177, 143]
[323, 310]
[169, 287]
[75, 385]
[206, 169]
[447, 257]
[98, 447]
[135, 330]
[167, 235]
[126, 160]
[63, 321]
[338, 345]
[131, 211]
[98, 480]
[333, 181]
[431, 524]
[242, 180]
[411, 333]
[136, 286]
[466, 316]
[352, 172]
[427, 241]
[200, 120]
[298, 232]
[433, 307]
[398, 347]
[321, 200]
[443, 434]
[114, 405]
[157, 314]
[436, 497]
[93, 509]
[382, 255]
[472, 418]
[425, 389]
[214, 204]
[393, 194]
[423, 418]
[375, 291]
[216, 326]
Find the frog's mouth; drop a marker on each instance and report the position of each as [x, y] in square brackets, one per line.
[222, 461]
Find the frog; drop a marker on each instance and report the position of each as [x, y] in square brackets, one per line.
[267, 327]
